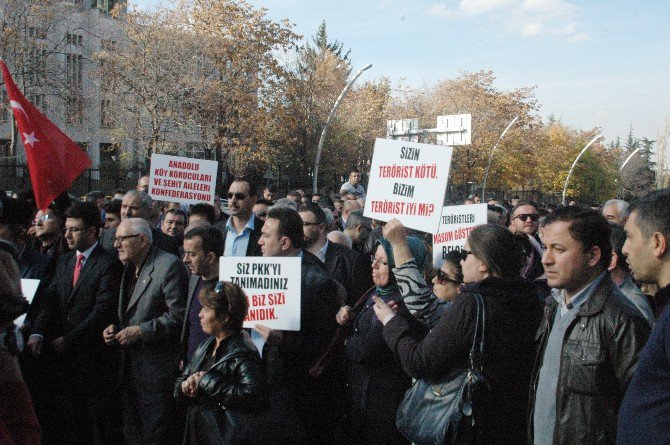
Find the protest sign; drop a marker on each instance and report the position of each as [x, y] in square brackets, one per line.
[456, 224]
[408, 181]
[272, 286]
[184, 180]
[28, 289]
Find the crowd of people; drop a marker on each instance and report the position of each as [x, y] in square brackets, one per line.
[132, 338]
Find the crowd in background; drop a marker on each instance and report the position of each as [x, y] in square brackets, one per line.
[132, 338]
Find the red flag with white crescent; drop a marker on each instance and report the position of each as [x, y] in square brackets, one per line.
[54, 160]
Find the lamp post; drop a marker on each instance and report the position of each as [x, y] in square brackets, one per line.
[325, 127]
[565, 187]
[488, 166]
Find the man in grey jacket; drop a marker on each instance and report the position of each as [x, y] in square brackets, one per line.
[150, 314]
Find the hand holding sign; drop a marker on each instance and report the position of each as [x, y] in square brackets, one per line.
[271, 336]
[396, 234]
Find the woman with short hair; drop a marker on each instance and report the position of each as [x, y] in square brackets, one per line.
[224, 373]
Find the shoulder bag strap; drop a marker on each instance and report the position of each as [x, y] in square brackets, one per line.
[476, 356]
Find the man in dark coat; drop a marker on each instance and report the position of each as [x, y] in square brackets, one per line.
[589, 339]
[342, 264]
[643, 417]
[150, 315]
[78, 304]
[203, 246]
[288, 355]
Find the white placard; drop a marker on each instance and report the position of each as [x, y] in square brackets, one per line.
[456, 224]
[29, 289]
[272, 285]
[184, 180]
[408, 181]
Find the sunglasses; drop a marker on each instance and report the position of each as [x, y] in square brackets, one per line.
[219, 287]
[261, 214]
[442, 278]
[43, 218]
[238, 196]
[524, 217]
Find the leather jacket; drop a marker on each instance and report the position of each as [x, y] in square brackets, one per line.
[599, 355]
[234, 380]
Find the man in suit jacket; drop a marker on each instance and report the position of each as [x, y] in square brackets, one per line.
[288, 355]
[203, 246]
[343, 264]
[78, 304]
[139, 205]
[243, 229]
[150, 316]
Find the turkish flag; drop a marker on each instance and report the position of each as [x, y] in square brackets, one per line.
[54, 160]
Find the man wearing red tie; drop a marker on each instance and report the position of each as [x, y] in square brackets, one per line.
[78, 305]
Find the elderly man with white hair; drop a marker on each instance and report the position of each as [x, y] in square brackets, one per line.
[616, 211]
[139, 205]
[152, 299]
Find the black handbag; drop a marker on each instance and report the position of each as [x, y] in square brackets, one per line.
[448, 411]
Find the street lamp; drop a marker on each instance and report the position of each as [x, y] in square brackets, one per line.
[325, 127]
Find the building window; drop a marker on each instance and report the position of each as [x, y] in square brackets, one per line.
[37, 33]
[106, 114]
[74, 111]
[74, 39]
[74, 70]
[37, 69]
[107, 45]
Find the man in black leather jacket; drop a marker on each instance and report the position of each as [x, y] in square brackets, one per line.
[589, 339]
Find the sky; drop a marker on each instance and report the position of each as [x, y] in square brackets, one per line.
[596, 63]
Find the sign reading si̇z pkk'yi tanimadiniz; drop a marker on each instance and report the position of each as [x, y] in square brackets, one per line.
[272, 286]
[408, 181]
[184, 180]
[456, 224]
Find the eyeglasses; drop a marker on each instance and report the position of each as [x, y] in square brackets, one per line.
[74, 229]
[238, 196]
[524, 217]
[43, 218]
[442, 278]
[261, 213]
[379, 261]
[305, 223]
[120, 239]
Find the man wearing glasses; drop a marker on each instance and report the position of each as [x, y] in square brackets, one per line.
[524, 218]
[78, 304]
[243, 229]
[152, 297]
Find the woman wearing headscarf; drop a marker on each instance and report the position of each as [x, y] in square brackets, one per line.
[491, 267]
[376, 381]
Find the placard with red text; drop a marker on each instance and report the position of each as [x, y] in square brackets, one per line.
[408, 181]
[272, 286]
[184, 180]
[456, 224]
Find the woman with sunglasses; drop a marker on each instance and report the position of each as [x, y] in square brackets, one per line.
[425, 303]
[491, 266]
[376, 381]
[224, 379]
